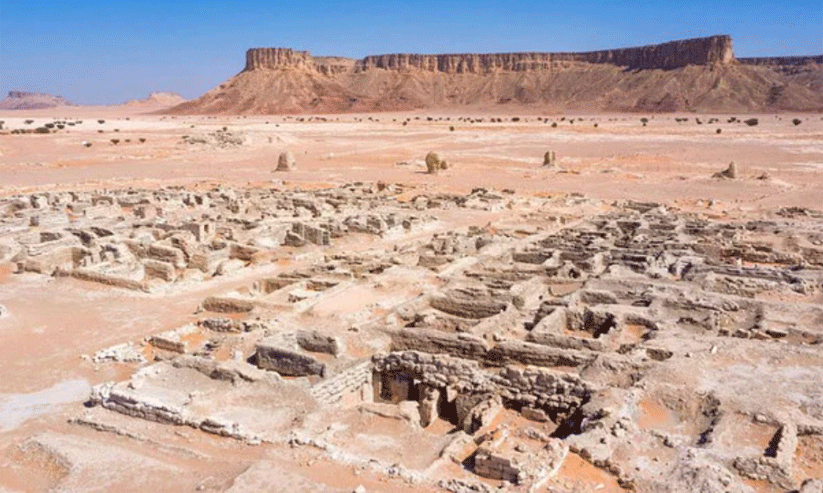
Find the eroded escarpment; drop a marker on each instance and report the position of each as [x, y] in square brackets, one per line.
[698, 74]
[698, 51]
[674, 54]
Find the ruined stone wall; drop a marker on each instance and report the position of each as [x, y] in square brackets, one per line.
[355, 381]
[530, 386]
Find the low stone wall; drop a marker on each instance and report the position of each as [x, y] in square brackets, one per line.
[435, 341]
[118, 282]
[559, 393]
[286, 362]
[354, 382]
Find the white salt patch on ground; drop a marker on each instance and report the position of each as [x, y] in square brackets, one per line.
[15, 409]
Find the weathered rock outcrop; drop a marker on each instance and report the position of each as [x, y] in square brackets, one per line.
[674, 54]
[286, 58]
[782, 60]
[698, 74]
[273, 58]
[20, 100]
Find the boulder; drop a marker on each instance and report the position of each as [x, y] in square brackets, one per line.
[728, 173]
[286, 162]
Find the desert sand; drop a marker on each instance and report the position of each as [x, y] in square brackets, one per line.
[692, 365]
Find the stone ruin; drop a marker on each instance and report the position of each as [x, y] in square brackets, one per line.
[606, 334]
[148, 240]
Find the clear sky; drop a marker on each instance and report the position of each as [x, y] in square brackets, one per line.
[101, 52]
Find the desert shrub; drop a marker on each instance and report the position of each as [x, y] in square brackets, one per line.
[28, 122]
[554, 124]
[49, 125]
[515, 119]
[797, 121]
[752, 122]
[128, 140]
[595, 125]
[61, 126]
[142, 140]
[101, 121]
[451, 128]
[41, 130]
[644, 120]
[116, 129]
[115, 141]
[719, 130]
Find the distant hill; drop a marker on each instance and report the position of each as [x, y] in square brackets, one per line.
[157, 99]
[19, 100]
[699, 74]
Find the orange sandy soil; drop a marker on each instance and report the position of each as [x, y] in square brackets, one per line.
[53, 322]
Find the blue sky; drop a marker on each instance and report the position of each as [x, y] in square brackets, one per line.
[100, 52]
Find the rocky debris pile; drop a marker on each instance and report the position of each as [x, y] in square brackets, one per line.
[220, 139]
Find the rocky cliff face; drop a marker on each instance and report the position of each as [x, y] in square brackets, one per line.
[286, 58]
[675, 54]
[782, 60]
[274, 58]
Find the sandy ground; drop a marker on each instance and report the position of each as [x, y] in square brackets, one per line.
[54, 322]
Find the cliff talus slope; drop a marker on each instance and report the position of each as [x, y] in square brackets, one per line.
[690, 75]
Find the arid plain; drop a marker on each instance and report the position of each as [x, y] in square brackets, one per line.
[680, 308]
